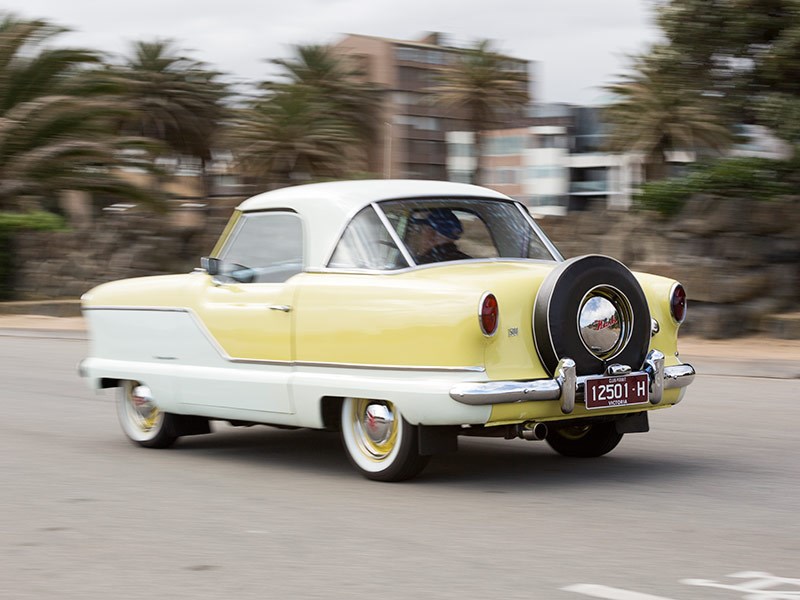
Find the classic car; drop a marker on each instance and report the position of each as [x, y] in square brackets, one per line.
[403, 314]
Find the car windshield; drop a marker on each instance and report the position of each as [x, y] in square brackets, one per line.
[445, 229]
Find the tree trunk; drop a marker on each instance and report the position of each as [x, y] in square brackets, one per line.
[477, 175]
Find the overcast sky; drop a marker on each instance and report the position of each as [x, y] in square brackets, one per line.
[577, 45]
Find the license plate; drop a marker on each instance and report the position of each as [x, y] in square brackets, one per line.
[610, 392]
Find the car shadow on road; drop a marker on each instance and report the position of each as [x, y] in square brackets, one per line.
[512, 463]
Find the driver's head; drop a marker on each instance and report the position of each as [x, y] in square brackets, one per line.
[441, 220]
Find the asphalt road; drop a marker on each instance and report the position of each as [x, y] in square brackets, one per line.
[705, 506]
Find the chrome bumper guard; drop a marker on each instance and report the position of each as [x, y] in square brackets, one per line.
[566, 385]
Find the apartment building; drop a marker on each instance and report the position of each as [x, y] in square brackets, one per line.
[411, 142]
[559, 162]
[555, 164]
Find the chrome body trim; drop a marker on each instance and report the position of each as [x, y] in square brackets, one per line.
[566, 377]
[655, 327]
[434, 265]
[280, 307]
[393, 234]
[538, 230]
[566, 386]
[654, 367]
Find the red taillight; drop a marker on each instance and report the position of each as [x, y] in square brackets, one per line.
[677, 303]
[489, 314]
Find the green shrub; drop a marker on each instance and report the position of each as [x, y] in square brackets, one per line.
[666, 196]
[747, 178]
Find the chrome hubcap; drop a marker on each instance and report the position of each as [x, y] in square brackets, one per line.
[605, 320]
[375, 428]
[377, 422]
[141, 409]
[142, 400]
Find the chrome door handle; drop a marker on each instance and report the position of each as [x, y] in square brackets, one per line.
[280, 307]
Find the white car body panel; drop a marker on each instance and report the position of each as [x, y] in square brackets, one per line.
[190, 374]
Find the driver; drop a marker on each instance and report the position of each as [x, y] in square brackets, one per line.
[432, 235]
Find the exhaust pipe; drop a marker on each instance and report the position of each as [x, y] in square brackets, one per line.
[532, 431]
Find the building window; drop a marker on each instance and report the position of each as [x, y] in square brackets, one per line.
[545, 172]
[541, 200]
[420, 55]
[552, 141]
[460, 150]
[503, 175]
[421, 123]
[503, 146]
[461, 176]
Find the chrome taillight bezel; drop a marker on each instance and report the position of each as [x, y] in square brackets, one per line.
[487, 331]
[678, 319]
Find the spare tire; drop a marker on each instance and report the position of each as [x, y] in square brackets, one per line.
[593, 310]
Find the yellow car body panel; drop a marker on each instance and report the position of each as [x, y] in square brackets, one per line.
[424, 317]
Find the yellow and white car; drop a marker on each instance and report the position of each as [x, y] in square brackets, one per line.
[402, 313]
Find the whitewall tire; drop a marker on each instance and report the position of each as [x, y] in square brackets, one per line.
[380, 444]
[141, 420]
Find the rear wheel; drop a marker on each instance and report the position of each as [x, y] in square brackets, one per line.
[141, 419]
[584, 440]
[380, 444]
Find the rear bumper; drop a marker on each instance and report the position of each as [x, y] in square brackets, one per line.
[566, 386]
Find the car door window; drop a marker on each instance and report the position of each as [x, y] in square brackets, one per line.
[268, 245]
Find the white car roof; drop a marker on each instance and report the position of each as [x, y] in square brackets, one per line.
[326, 208]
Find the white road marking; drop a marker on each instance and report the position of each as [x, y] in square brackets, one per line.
[760, 587]
[609, 593]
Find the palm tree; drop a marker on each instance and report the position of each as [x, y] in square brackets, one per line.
[334, 81]
[54, 131]
[480, 83]
[290, 137]
[653, 114]
[337, 85]
[169, 98]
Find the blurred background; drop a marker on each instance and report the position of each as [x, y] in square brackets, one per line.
[682, 160]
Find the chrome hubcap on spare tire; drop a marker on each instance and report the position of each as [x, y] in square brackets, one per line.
[605, 321]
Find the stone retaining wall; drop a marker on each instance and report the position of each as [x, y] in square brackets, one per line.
[739, 261]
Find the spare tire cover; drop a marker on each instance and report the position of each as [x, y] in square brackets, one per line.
[565, 293]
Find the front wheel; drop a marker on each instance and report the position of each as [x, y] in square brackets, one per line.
[380, 444]
[585, 440]
[141, 419]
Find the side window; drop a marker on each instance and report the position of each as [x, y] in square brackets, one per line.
[268, 245]
[366, 244]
